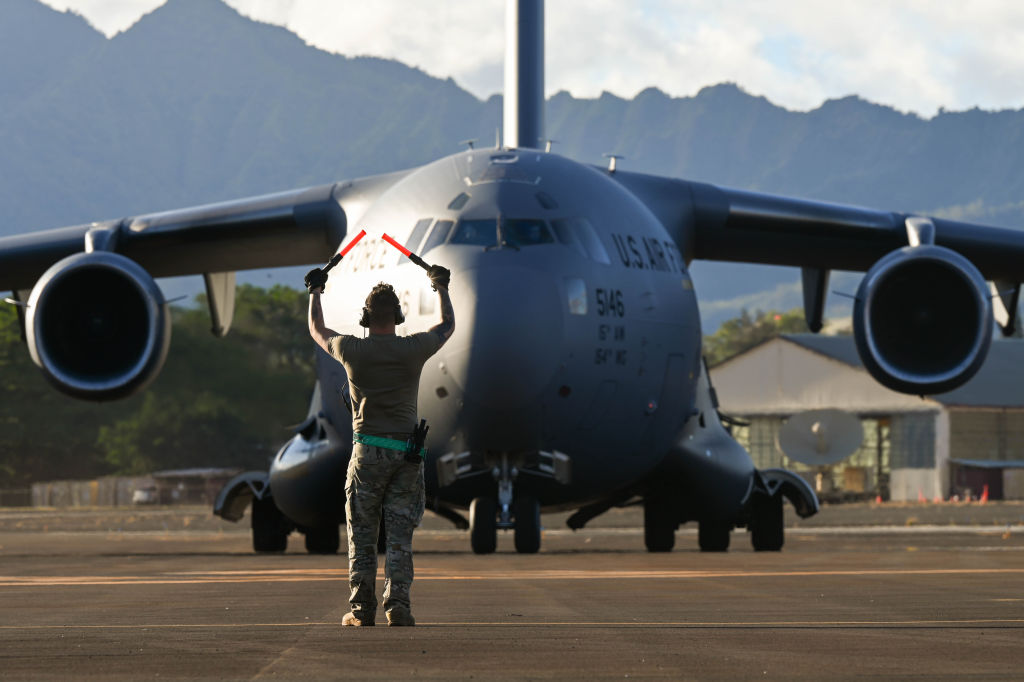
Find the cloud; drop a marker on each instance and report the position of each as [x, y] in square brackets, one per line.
[109, 16]
[916, 55]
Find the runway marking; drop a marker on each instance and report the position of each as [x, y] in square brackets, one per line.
[325, 575]
[965, 622]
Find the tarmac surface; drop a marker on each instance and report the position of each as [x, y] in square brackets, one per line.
[893, 592]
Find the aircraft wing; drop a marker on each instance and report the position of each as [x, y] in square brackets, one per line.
[923, 313]
[289, 228]
[715, 223]
[91, 314]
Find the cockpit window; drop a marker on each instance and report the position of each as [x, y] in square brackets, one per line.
[438, 235]
[482, 232]
[518, 232]
[579, 234]
[527, 232]
[458, 202]
[413, 244]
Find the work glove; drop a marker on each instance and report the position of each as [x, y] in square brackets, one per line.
[439, 277]
[315, 279]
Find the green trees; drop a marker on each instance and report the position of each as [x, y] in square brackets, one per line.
[746, 331]
[217, 402]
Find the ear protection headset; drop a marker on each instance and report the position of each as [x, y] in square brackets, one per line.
[382, 295]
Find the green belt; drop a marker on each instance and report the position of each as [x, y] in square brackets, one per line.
[381, 442]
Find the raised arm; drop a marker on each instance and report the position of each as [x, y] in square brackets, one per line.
[446, 326]
[317, 329]
[439, 278]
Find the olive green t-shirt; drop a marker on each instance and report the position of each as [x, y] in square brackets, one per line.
[384, 378]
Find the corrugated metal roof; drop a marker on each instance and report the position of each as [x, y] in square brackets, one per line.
[999, 382]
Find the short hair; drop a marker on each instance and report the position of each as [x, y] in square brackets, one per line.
[382, 303]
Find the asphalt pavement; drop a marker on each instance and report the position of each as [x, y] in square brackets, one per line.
[140, 594]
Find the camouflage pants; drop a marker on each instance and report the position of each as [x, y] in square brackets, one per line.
[380, 478]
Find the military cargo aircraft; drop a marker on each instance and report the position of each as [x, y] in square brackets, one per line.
[574, 379]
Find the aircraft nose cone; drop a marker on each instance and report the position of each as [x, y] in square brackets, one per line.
[508, 336]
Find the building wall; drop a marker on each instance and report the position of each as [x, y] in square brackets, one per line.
[865, 473]
[1013, 484]
[781, 377]
[913, 440]
[906, 484]
[987, 434]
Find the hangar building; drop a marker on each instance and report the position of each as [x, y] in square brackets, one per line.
[937, 446]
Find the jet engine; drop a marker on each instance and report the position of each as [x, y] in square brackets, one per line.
[98, 326]
[923, 320]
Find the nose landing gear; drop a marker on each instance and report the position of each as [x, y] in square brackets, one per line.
[521, 514]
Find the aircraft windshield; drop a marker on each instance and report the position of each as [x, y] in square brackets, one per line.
[518, 232]
[478, 232]
[527, 232]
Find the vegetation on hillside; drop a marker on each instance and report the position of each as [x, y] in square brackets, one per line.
[217, 402]
[746, 331]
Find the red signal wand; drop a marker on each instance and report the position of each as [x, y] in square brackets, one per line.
[337, 257]
[408, 254]
[317, 277]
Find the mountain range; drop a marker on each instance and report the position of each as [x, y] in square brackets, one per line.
[197, 103]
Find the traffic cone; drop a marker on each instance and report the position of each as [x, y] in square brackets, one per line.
[920, 496]
[984, 494]
[937, 499]
[878, 500]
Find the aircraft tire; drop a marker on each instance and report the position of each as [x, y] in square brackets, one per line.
[483, 525]
[323, 540]
[767, 525]
[269, 527]
[713, 536]
[659, 526]
[527, 530]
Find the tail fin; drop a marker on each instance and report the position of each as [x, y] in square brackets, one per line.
[524, 73]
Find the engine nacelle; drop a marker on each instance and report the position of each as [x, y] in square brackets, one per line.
[923, 320]
[98, 326]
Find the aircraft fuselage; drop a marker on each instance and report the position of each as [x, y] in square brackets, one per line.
[577, 328]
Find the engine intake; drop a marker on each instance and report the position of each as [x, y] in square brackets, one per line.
[923, 320]
[98, 326]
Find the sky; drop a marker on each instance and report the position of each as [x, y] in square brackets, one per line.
[914, 55]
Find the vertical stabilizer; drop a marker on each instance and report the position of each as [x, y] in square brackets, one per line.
[524, 73]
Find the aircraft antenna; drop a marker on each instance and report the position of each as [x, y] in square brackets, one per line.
[611, 161]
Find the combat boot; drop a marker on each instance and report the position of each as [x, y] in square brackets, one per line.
[400, 616]
[352, 619]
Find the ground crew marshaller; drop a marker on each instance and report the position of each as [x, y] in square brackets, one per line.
[383, 375]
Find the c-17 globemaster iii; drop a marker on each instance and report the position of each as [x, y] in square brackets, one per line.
[574, 379]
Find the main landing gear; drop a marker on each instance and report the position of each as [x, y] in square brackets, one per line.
[521, 514]
[270, 528]
[713, 536]
[659, 524]
[767, 524]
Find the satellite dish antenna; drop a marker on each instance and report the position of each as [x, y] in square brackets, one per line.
[820, 437]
